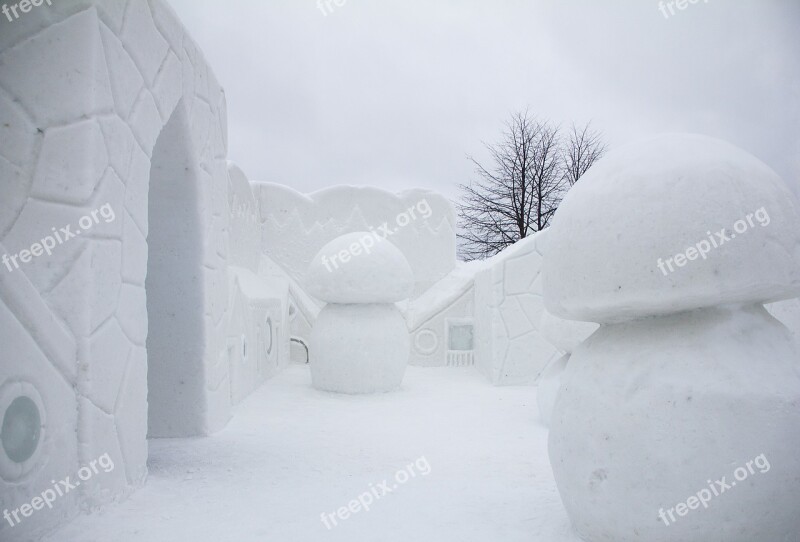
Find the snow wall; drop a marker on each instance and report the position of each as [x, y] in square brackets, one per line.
[296, 226]
[491, 314]
[113, 131]
[258, 337]
[442, 324]
[510, 348]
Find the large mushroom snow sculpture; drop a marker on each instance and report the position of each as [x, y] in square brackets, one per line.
[679, 419]
[359, 343]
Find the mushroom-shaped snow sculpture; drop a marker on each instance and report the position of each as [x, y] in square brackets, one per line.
[359, 343]
[689, 389]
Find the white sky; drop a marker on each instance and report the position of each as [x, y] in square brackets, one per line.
[396, 93]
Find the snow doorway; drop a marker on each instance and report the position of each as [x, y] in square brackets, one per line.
[175, 308]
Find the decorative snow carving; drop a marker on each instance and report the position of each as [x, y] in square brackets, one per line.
[359, 343]
[688, 377]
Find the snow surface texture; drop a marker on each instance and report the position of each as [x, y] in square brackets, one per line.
[359, 267]
[359, 348]
[662, 197]
[85, 90]
[420, 223]
[652, 409]
[292, 453]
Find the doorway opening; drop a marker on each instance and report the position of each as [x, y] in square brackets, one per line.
[175, 340]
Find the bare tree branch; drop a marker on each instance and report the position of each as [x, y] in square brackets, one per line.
[532, 168]
[584, 148]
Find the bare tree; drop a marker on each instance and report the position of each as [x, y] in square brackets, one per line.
[532, 168]
[583, 148]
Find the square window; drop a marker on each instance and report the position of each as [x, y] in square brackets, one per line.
[460, 337]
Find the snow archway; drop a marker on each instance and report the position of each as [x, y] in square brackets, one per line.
[175, 337]
[86, 87]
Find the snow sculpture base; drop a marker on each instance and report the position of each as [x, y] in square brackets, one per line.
[359, 348]
[653, 411]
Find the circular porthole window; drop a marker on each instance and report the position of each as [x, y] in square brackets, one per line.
[21, 429]
[426, 342]
[22, 426]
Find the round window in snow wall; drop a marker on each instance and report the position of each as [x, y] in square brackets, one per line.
[21, 429]
[426, 342]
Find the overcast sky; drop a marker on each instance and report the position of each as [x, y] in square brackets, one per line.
[396, 93]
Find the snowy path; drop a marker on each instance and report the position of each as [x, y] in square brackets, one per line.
[291, 453]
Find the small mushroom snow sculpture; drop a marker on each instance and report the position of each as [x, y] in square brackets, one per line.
[673, 245]
[359, 342]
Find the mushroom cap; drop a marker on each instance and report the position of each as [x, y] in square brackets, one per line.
[669, 195]
[360, 267]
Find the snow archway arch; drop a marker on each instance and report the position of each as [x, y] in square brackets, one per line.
[86, 88]
[174, 285]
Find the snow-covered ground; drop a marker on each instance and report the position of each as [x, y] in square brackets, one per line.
[292, 453]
